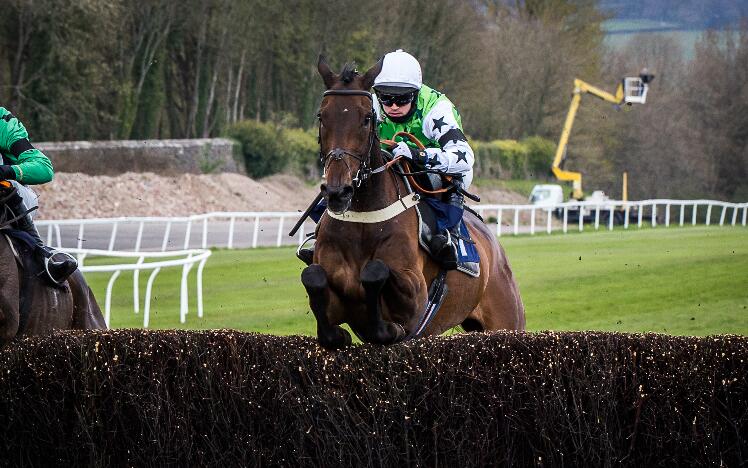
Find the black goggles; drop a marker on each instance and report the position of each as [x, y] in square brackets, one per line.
[399, 99]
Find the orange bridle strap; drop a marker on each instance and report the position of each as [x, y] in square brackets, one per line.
[414, 139]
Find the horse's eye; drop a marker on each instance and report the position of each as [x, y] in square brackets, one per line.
[367, 120]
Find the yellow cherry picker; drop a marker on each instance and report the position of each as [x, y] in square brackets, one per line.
[631, 90]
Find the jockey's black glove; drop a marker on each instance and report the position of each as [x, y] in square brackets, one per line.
[7, 172]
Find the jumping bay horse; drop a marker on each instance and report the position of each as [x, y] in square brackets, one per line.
[29, 305]
[373, 275]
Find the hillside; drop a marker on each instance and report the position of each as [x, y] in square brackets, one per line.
[677, 14]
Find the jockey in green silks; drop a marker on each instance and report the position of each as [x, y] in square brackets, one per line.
[408, 105]
[24, 165]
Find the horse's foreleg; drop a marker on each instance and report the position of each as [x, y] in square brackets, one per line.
[374, 275]
[9, 307]
[314, 280]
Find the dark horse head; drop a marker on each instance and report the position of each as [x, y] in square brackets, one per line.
[347, 130]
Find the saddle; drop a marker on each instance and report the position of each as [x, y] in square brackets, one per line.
[468, 260]
[432, 214]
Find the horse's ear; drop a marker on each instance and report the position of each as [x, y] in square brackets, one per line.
[324, 70]
[372, 73]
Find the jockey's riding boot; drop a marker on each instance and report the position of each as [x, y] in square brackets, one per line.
[306, 254]
[444, 244]
[58, 265]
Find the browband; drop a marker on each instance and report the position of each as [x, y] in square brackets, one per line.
[347, 92]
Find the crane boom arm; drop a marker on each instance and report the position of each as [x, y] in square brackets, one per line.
[579, 88]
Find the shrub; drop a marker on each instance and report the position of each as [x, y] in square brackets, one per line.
[261, 147]
[511, 159]
[302, 152]
[487, 160]
[540, 153]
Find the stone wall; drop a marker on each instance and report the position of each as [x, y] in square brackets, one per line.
[164, 157]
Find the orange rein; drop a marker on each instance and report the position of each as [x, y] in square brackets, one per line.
[420, 146]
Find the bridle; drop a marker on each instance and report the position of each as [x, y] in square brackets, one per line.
[337, 154]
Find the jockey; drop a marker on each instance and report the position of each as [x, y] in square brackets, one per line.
[407, 105]
[23, 165]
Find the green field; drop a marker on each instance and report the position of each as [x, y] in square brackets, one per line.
[688, 281]
[620, 32]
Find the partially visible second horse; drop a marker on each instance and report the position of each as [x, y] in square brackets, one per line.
[29, 304]
[368, 269]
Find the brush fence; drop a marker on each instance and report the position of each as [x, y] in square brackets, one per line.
[224, 398]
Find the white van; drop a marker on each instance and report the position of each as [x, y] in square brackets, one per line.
[547, 195]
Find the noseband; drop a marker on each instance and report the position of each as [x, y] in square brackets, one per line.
[337, 154]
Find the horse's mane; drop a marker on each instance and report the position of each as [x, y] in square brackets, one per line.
[348, 73]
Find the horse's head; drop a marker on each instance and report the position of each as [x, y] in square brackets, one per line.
[347, 131]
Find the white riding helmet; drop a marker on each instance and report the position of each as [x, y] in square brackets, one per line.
[399, 70]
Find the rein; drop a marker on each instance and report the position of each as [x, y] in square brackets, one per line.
[410, 174]
[7, 222]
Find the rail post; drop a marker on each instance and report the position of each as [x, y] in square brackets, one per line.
[532, 221]
[499, 214]
[230, 244]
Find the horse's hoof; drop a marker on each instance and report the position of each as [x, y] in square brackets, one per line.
[400, 332]
[334, 339]
[375, 272]
[314, 278]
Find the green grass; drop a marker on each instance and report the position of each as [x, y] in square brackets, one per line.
[635, 24]
[688, 281]
[687, 40]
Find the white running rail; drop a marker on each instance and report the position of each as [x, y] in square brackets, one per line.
[145, 261]
[266, 229]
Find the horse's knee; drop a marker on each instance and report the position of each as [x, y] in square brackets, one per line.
[314, 278]
[375, 272]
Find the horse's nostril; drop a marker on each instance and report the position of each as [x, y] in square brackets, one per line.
[347, 191]
[323, 188]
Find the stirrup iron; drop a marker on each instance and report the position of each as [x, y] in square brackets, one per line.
[55, 252]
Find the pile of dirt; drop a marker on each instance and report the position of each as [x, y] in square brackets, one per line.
[75, 195]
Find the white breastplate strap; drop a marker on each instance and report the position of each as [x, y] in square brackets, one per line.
[378, 216]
